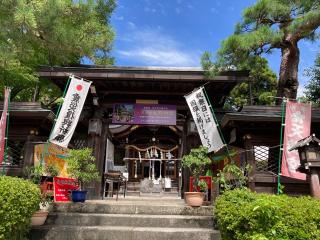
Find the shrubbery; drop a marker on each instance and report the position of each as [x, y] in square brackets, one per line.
[19, 199]
[244, 215]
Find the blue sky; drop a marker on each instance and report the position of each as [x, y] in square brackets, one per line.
[175, 33]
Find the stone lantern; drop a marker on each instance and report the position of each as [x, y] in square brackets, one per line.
[309, 152]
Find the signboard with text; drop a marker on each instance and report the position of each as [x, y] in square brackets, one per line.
[62, 188]
[140, 114]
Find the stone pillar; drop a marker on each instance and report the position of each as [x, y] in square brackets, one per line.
[314, 182]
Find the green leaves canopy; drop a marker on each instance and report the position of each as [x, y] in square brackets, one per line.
[81, 165]
[267, 24]
[270, 24]
[196, 161]
[51, 32]
[313, 86]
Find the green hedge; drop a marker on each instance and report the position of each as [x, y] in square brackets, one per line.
[19, 199]
[244, 215]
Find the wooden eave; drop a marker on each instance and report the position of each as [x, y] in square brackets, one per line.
[165, 84]
[29, 111]
[261, 114]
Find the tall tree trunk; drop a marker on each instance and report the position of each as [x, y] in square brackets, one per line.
[288, 76]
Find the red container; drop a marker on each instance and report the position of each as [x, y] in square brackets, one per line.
[207, 179]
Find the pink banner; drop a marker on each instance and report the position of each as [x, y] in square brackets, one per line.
[3, 122]
[297, 127]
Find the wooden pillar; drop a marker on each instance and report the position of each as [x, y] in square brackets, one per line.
[184, 172]
[97, 142]
[191, 141]
[32, 140]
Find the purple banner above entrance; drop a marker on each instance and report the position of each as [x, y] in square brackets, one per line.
[144, 114]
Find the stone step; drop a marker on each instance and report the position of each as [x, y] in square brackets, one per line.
[133, 188]
[137, 184]
[148, 207]
[132, 193]
[170, 193]
[130, 220]
[53, 232]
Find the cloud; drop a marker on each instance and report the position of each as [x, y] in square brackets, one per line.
[214, 10]
[131, 25]
[303, 80]
[190, 6]
[312, 47]
[147, 9]
[231, 8]
[154, 48]
[301, 90]
[159, 57]
[120, 18]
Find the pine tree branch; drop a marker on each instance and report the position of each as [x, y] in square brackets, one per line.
[306, 27]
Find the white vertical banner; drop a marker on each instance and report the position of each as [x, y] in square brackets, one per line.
[204, 120]
[70, 112]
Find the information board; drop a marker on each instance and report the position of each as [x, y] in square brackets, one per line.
[62, 188]
[144, 114]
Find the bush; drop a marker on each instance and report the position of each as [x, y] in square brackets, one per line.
[19, 199]
[244, 215]
[81, 166]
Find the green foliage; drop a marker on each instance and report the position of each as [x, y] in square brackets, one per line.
[35, 173]
[232, 176]
[50, 32]
[267, 25]
[244, 215]
[313, 86]
[202, 185]
[197, 161]
[19, 199]
[81, 165]
[51, 170]
[262, 81]
[263, 85]
[211, 70]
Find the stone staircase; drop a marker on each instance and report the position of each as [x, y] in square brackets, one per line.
[127, 219]
[133, 189]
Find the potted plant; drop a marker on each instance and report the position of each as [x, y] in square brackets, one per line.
[203, 187]
[81, 166]
[40, 216]
[196, 161]
[38, 174]
[233, 176]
